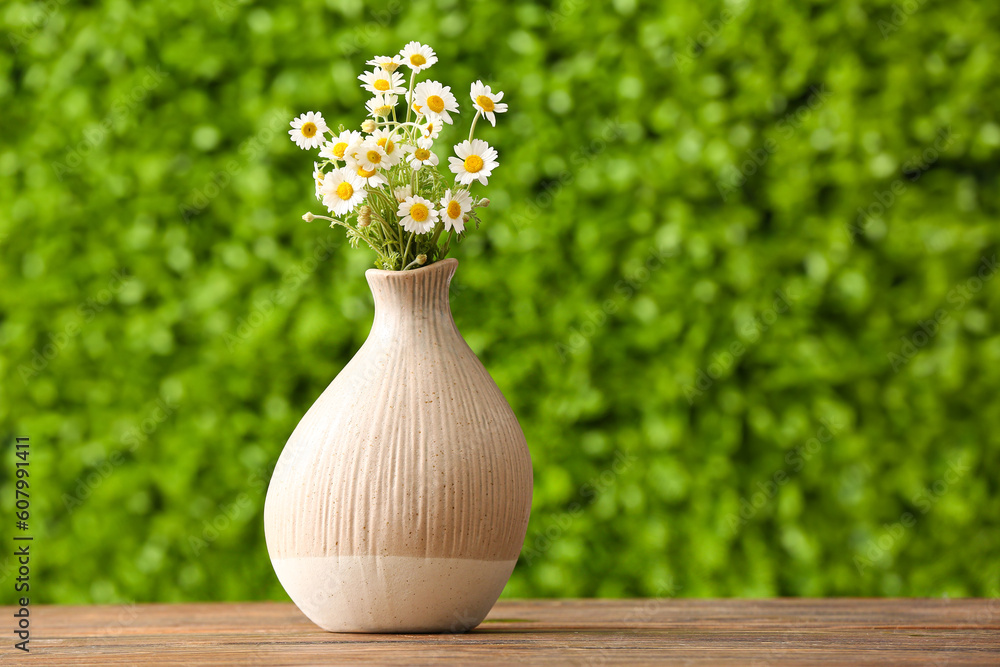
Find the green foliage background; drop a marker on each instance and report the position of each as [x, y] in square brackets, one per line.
[612, 290]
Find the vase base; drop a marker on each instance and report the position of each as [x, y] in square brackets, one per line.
[393, 594]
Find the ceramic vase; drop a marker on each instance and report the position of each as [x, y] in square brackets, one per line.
[401, 500]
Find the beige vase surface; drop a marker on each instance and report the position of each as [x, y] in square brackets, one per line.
[401, 500]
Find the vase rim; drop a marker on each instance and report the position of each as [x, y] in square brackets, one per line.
[448, 262]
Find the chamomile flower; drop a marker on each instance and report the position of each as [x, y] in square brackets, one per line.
[318, 176]
[342, 191]
[431, 129]
[308, 129]
[417, 56]
[388, 63]
[487, 102]
[387, 139]
[359, 174]
[339, 145]
[475, 162]
[420, 155]
[434, 100]
[382, 81]
[418, 215]
[370, 156]
[381, 105]
[401, 193]
[372, 177]
[454, 206]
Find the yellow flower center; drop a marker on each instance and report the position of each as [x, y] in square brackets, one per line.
[387, 144]
[417, 108]
[419, 212]
[345, 190]
[454, 209]
[309, 130]
[374, 157]
[381, 84]
[473, 164]
[338, 149]
[485, 103]
[364, 173]
[430, 129]
[421, 154]
[417, 59]
[435, 103]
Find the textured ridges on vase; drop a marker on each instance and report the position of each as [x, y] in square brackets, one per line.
[411, 451]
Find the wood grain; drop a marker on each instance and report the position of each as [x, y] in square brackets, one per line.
[540, 632]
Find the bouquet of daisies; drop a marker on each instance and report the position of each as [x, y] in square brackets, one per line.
[383, 184]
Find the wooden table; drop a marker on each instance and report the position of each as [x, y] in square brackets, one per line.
[546, 632]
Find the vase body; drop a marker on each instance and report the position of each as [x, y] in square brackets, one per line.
[401, 500]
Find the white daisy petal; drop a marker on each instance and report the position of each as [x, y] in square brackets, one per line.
[381, 105]
[434, 101]
[402, 193]
[370, 156]
[454, 206]
[342, 191]
[388, 63]
[431, 129]
[417, 215]
[417, 56]
[373, 178]
[419, 155]
[389, 141]
[486, 101]
[382, 81]
[475, 162]
[308, 130]
[339, 145]
[318, 176]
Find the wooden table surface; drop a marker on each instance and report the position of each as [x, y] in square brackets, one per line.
[545, 632]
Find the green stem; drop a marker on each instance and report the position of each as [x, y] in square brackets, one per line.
[437, 232]
[473, 128]
[399, 235]
[359, 235]
[398, 125]
[447, 244]
[409, 98]
[386, 230]
[407, 251]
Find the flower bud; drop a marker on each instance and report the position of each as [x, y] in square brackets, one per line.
[421, 260]
[308, 217]
[484, 202]
[368, 126]
[364, 216]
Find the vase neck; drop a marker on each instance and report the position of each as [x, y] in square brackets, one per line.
[408, 299]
